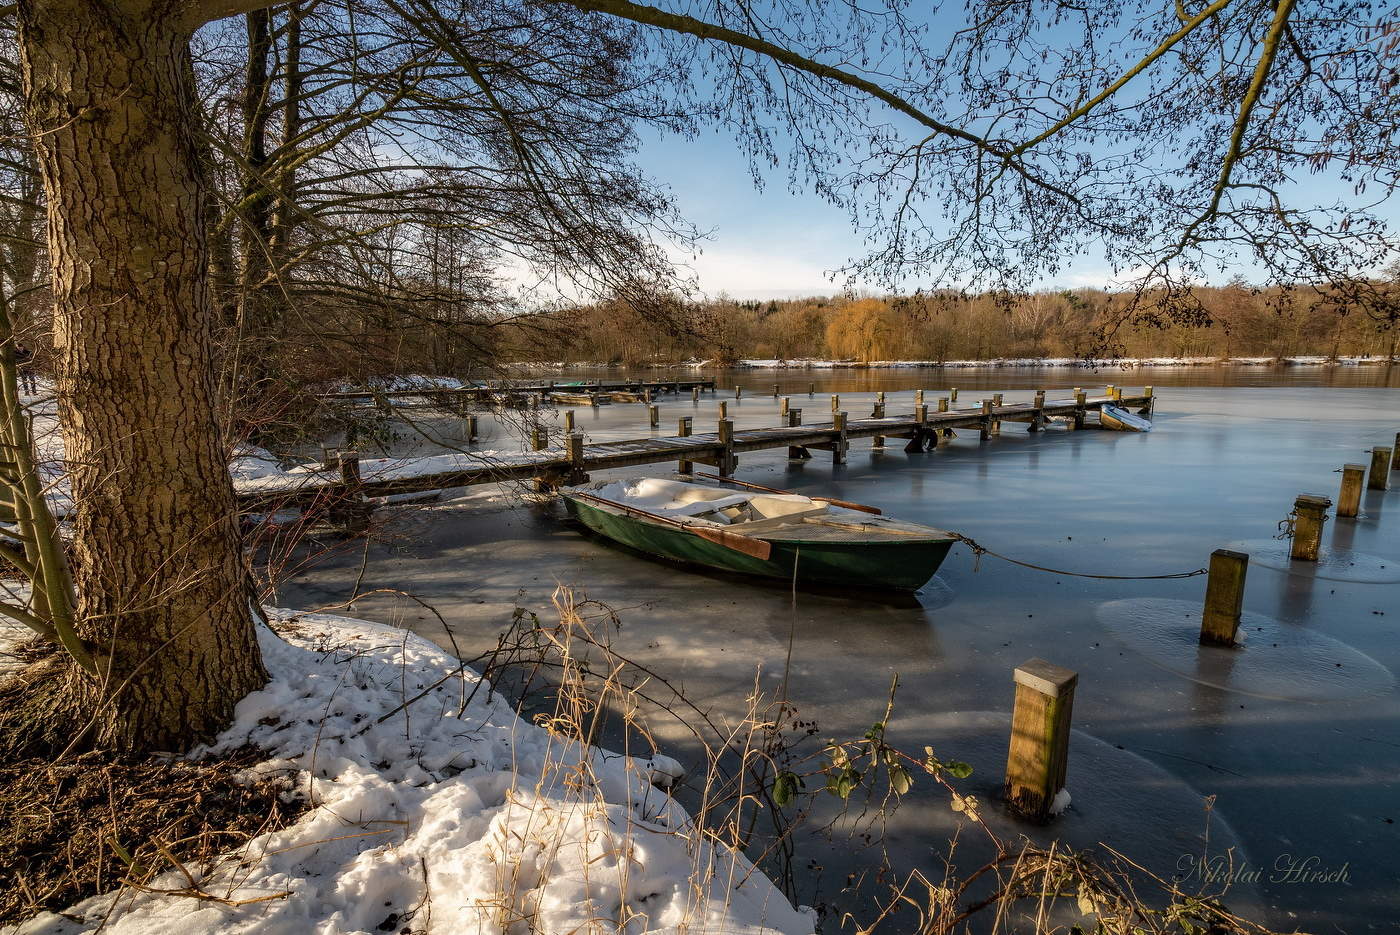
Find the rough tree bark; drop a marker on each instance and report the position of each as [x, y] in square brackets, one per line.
[162, 593]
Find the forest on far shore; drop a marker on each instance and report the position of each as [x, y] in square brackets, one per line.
[1234, 320]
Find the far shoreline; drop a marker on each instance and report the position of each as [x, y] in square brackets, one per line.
[1071, 363]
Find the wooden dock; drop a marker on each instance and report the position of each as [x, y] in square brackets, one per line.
[571, 462]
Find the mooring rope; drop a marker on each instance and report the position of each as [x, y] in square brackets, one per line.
[980, 550]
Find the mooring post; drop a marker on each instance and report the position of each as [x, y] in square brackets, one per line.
[812, 389]
[352, 512]
[471, 429]
[775, 391]
[839, 444]
[1380, 469]
[695, 394]
[1309, 513]
[654, 415]
[574, 446]
[942, 404]
[796, 451]
[921, 415]
[1349, 503]
[646, 396]
[985, 425]
[568, 420]
[953, 394]
[996, 423]
[835, 402]
[1220, 617]
[723, 409]
[879, 440]
[683, 430]
[1038, 414]
[727, 461]
[1039, 751]
[783, 406]
[1146, 409]
[539, 438]
[1395, 454]
[1080, 402]
[738, 391]
[918, 398]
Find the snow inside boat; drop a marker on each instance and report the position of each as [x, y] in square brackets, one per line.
[761, 533]
[1121, 420]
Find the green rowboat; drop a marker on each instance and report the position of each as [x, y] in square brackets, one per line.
[758, 532]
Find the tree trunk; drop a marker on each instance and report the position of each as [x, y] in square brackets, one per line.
[162, 592]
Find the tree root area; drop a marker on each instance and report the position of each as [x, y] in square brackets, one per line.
[95, 823]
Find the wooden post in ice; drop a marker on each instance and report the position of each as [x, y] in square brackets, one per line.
[471, 429]
[775, 391]
[683, 430]
[574, 445]
[646, 397]
[835, 402]
[539, 438]
[783, 406]
[738, 391]
[352, 511]
[1039, 750]
[1080, 401]
[1395, 454]
[727, 461]
[654, 415]
[1220, 618]
[723, 409]
[1349, 502]
[1038, 412]
[918, 398]
[996, 423]
[812, 389]
[879, 440]
[1309, 513]
[839, 443]
[568, 420]
[1146, 409]
[985, 426]
[1380, 469]
[953, 393]
[695, 394]
[796, 451]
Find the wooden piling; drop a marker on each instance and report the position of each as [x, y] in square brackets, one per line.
[835, 402]
[568, 420]
[1349, 502]
[1080, 401]
[1309, 513]
[1038, 413]
[840, 443]
[352, 511]
[953, 393]
[738, 391]
[996, 423]
[796, 451]
[922, 414]
[683, 430]
[775, 391]
[1146, 409]
[783, 406]
[723, 409]
[646, 398]
[654, 415]
[695, 394]
[811, 389]
[918, 398]
[727, 461]
[574, 446]
[942, 404]
[1379, 478]
[539, 438]
[471, 429]
[1395, 454]
[985, 426]
[1220, 617]
[1038, 755]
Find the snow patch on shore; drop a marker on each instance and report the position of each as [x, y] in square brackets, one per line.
[449, 816]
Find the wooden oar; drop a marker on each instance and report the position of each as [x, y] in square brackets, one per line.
[748, 545]
[845, 504]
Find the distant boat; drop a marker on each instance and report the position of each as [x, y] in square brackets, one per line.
[1121, 420]
[579, 399]
[760, 531]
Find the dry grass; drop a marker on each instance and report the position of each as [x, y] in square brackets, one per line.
[89, 824]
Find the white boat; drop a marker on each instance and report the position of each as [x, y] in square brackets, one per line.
[1121, 420]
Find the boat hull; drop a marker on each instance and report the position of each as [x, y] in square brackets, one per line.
[893, 564]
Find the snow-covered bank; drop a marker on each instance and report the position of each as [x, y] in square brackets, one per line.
[1075, 362]
[447, 817]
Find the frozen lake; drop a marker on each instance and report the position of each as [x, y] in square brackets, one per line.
[1298, 743]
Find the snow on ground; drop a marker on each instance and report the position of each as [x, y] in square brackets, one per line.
[441, 819]
[1102, 364]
